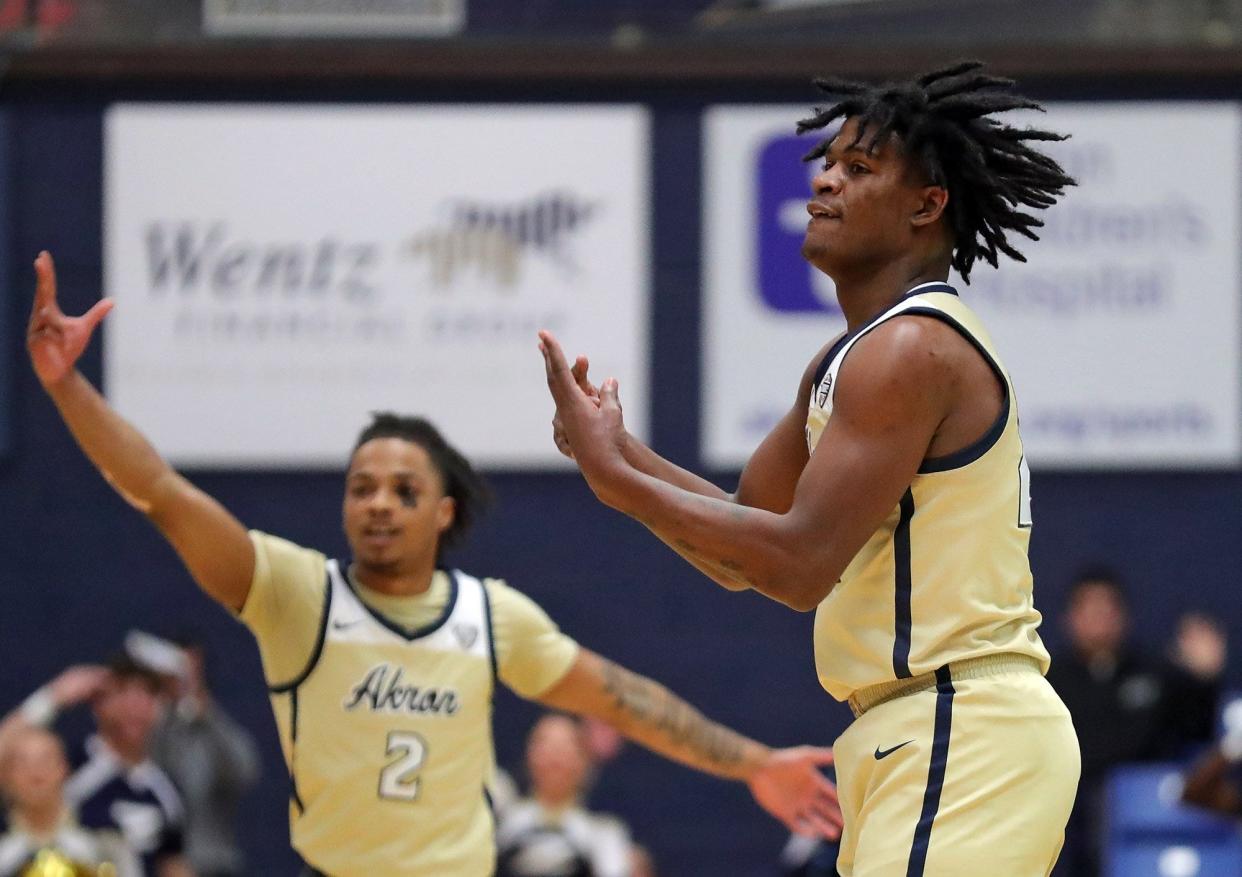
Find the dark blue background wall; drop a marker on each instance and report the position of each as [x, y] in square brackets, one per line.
[78, 567]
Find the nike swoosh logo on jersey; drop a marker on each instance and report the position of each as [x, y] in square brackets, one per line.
[887, 752]
[344, 625]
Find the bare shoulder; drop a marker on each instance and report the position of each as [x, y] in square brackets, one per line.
[912, 344]
[904, 364]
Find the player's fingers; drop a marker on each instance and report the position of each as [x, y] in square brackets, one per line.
[819, 755]
[97, 312]
[45, 281]
[825, 790]
[608, 395]
[560, 381]
[560, 439]
[821, 826]
[579, 370]
[826, 805]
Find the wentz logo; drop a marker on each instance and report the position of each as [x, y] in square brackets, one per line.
[490, 241]
[190, 258]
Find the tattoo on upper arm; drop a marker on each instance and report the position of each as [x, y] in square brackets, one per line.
[651, 704]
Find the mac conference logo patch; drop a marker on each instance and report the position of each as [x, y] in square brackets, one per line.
[825, 387]
[466, 634]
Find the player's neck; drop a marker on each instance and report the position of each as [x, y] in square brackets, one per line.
[554, 803]
[131, 755]
[397, 581]
[867, 294]
[42, 820]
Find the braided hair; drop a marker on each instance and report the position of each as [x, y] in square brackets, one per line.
[942, 120]
[461, 480]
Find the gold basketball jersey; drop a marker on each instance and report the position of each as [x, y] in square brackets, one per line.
[388, 738]
[946, 577]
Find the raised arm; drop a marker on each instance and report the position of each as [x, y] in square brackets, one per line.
[770, 475]
[212, 544]
[74, 685]
[896, 390]
[786, 782]
[767, 482]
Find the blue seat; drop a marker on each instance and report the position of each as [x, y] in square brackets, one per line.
[1144, 802]
[1204, 858]
[1151, 834]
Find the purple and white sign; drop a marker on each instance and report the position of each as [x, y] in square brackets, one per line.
[1121, 332]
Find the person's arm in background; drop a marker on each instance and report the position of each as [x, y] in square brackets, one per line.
[1213, 781]
[1211, 784]
[73, 686]
[212, 544]
[1192, 691]
[785, 782]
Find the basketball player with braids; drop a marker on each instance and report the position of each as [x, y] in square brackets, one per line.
[381, 668]
[893, 497]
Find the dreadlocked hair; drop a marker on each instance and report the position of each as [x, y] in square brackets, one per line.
[462, 481]
[942, 120]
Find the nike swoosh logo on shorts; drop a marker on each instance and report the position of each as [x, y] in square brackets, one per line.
[887, 752]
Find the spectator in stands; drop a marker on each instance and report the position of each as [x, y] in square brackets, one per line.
[550, 833]
[39, 827]
[115, 786]
[1127, 707]
[212, 760]
[1215, 781]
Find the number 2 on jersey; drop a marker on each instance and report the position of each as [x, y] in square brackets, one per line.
[399, 778]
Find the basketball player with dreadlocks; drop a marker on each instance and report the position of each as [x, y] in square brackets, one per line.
[893, 498]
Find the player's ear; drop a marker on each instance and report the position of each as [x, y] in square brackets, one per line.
[931, 205]
[446, 513]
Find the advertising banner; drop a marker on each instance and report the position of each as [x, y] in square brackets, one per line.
[281, 271]
[284, 18]
[1121, 332]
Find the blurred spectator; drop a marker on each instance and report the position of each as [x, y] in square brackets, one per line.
[1215, 781]
[39, 827]
[549, 834]
[116, 786]
[1127, 707]
[211, 759]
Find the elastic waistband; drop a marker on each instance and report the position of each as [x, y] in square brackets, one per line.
[972, 668]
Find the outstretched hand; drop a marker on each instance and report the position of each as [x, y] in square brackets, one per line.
[579, 372]
[56, 341]
[588, 426]
[792, 788]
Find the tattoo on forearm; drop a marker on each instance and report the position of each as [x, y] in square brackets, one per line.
[650, 704]
[729, 569]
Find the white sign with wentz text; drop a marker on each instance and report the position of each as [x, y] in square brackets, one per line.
[1122, 333]
[281, 271]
